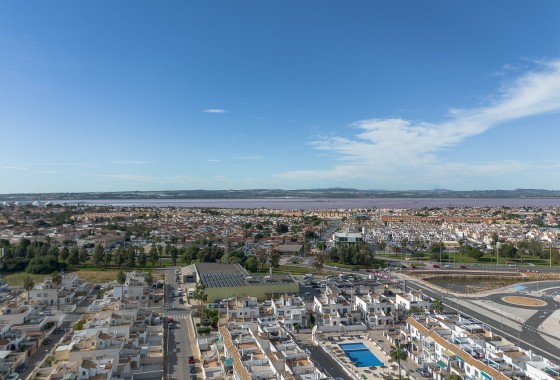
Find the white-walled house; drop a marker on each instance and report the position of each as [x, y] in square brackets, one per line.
[44, 293]
[409, 300]
[375, 309]
[290, 310]
[243, 308]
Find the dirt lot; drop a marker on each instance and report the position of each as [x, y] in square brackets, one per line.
[90, 276]
[524, 301]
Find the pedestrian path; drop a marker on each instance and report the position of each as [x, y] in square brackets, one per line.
[178, 305]
[178, 316]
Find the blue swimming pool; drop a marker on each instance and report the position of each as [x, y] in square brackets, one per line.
[360, 355]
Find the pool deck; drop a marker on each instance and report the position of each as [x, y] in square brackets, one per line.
[330, 343]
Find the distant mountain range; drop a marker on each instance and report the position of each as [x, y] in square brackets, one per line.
[278, 193]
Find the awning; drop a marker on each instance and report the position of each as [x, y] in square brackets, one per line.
[229, 362]
[443, 365]
[486, 376]
[448, 353]
[460, 358]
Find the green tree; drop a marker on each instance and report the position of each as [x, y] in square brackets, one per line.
[508, 250]
[108, 258]
[149, 278]
[282, 228]
[64, 253]
[28, 284]
[98, 255]
[84, 255]
[199, 293]
[275, 259]
[130, 256]
[119, 257]
[153, 255]
[74, 258]
[251, 264]
[142, 258]
[44, 264]
[262, 257]
[437, 306]
[416, 310]
[397, 354]
[121, 279]
[174, 255]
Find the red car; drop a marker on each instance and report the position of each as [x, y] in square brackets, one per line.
[463, 267]
[435, 266]
[191, 359]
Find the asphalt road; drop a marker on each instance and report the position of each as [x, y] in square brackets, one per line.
[178, 341]
[325, 362]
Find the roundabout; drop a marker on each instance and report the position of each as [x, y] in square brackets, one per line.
[524, 301]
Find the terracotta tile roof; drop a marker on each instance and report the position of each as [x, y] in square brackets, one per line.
[238, 366]
[467, 358]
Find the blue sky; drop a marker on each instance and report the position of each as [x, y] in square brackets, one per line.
[138, 95]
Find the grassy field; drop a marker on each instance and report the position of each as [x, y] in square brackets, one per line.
[16, 279]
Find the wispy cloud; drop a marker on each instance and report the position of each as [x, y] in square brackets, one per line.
[15, 168]
[46, 172]
[213, 160]
[380, 147]
[214, 110]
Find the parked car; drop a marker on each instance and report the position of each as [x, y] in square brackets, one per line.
[171, 325]
[21, 368]
[57, 330]
[191, 359]
[463, 267]
[435, 266]
[13, 376]
[424, 372]
[192, 369]
[47, 341]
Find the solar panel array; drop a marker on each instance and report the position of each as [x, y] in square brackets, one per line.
[229, 279]
[222, 280]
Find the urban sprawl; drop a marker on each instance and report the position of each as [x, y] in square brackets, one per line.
[142, 293]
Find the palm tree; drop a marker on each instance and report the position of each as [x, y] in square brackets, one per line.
[398, 353]
[28, 284]
[121, 279]
[57, 280]
[437, 306]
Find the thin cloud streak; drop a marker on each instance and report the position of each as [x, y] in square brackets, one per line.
[382, 147]
[214, 110]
